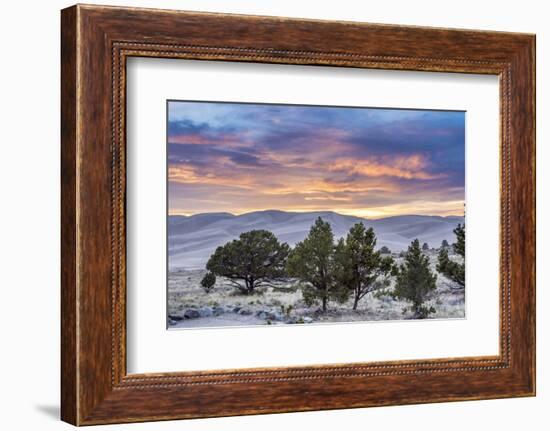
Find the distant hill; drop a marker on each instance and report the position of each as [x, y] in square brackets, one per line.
[192, 239]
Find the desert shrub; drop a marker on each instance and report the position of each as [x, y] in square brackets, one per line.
[383, 293]
[208, 282]
[415, 281]
[385, 250]
[286, 310]
[310, 295]
[254, 260]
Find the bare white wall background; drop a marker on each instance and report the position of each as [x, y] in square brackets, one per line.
[29, 214]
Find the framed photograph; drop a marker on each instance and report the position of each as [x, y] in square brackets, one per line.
[322, 214]
[299, 214]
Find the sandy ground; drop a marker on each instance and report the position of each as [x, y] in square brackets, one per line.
[189, 306]
[228, 319]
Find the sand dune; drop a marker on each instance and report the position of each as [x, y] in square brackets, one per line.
[191, 240]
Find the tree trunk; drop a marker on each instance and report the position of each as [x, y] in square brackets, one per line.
[325, 302]
[249, 286]
[356, 301]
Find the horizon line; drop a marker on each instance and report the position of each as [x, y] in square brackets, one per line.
[313, 211]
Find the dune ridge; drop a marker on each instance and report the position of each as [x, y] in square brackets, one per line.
[192, 239]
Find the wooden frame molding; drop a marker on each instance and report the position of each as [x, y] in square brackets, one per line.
[95, 43]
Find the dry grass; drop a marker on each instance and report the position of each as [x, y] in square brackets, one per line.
[224, 305]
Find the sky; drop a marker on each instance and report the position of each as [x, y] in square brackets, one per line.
[367, 162]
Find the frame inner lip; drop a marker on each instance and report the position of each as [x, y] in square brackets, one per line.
[127, 49]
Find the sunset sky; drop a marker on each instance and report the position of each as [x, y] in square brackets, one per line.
[238, 158]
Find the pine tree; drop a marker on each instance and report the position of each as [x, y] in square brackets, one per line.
[255, 259]
[460, 245]
[450, 269]
[360, 268]
[312, 262]
[425, 247]
[415, 281]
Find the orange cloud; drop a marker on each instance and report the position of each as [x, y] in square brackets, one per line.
[188, 175]
[408, 167]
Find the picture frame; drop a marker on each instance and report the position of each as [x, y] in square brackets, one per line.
[96, 42]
